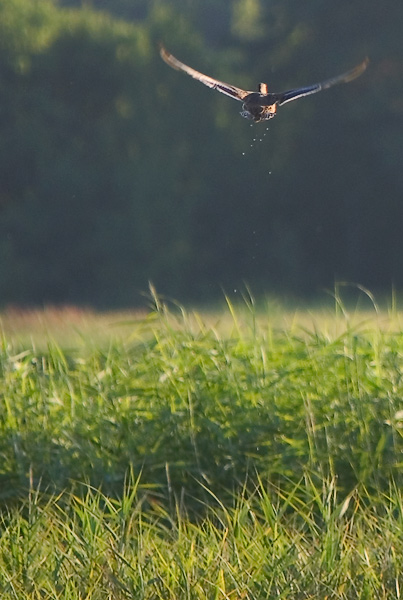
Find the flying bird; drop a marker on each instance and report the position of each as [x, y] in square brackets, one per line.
[261, 105]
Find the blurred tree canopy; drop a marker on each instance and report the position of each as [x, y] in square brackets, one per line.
[116, 170]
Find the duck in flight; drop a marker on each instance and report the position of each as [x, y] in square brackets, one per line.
[261, 105]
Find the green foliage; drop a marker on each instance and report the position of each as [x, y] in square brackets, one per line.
[267, 544]
[185, 405]
[234, 460]
[115, 170]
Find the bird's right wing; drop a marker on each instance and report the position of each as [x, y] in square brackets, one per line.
[317, 87]
[214, 84]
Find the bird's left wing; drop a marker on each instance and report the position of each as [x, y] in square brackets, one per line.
[214, 84]
[317, 87]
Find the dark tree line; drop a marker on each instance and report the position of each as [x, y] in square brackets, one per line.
[116, 170]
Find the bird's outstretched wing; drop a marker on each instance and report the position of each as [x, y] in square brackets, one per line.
[220, 86]
[317, 87]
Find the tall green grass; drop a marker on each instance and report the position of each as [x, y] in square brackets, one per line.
[183, 404]
[310, 542]
[251, 455]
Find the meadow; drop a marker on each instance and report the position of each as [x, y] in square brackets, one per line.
[250, 453]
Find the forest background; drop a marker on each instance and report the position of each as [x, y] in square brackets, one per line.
[116, 170]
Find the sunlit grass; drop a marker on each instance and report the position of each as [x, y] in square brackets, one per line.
[263, 447]
[309, 542]
[69, 327]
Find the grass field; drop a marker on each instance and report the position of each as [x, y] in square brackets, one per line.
[253, 454]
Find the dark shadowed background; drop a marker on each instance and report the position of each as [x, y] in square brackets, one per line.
[116, 170]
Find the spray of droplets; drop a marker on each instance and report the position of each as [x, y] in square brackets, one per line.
[256, 139]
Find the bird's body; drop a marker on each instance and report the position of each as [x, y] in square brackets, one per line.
[261, 105]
